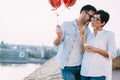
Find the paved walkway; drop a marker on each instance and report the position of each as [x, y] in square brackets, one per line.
[116, 75]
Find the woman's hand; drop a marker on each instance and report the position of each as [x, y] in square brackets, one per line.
[91, 48]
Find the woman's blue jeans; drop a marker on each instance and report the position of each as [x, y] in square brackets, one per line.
[71, 73]
[92, 78]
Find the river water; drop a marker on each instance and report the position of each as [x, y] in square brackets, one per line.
[16, 71]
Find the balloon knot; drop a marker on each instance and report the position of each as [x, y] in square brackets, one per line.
[57, 14]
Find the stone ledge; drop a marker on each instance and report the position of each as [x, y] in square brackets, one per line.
[48, 71]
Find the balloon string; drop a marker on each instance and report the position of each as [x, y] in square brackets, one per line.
[57, 20]
[57, 17]
[62, 10]
[58, 14]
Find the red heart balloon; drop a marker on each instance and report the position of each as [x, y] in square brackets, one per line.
[55, 3]
[69, 3]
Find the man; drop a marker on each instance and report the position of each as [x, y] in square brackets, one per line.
[69, 54]
[100, 50]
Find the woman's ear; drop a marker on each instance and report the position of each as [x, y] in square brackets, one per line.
[103, 23]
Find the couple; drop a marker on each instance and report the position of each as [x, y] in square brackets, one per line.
[79, 61]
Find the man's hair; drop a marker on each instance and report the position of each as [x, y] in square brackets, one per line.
[88, 8]
[104, 16]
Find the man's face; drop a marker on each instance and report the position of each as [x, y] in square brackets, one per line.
[89, 14]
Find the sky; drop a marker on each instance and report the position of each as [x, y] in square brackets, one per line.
[32, 22]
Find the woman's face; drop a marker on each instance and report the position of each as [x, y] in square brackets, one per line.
[96, 21]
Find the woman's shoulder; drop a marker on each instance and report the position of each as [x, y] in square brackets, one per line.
[108, 32]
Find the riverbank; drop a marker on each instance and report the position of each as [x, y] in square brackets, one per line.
[51, 71]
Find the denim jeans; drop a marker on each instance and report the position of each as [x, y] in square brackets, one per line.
[92, 78]
[71, 73]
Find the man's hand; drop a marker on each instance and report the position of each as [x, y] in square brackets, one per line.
[59, 35]
[59, 31]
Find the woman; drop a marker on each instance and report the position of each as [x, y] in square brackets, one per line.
[99, 51]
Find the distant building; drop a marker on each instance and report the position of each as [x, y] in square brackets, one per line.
[118, 52]
[2, 45]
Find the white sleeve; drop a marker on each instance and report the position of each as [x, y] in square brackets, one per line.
[111, 45]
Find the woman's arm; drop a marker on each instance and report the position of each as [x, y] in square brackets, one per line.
[97, 50]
